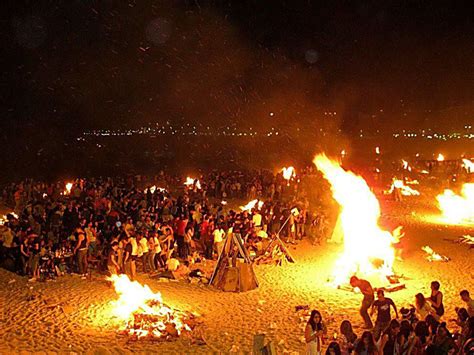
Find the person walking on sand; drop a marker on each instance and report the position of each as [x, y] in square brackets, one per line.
[436, 299]
[382, 304]
[366, 289]
[314, 332]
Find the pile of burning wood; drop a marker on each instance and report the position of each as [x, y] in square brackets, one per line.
[144, 314]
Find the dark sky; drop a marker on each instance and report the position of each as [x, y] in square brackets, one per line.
[73, 65]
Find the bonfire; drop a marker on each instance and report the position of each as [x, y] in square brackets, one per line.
[192, 183]
[458, 209]
[288, 173]
[251, 205]
[468, 165]
[432, 255]
[404, 189]
[143, 313]
[368, 251]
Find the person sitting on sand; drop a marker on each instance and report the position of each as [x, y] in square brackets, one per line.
[333, 349]
[436, 298]
[348, 337]
[314, 333]
[366, 345]
[366, 288]
[422, 308]
[464, 294]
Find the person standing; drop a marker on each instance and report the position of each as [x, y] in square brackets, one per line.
[81, 251]
[366, 289]
[112, 263]
[314, 332]
[382, 304]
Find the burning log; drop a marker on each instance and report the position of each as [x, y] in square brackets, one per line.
[404, 189]
[468, 165]
[192, 184]
[433, 256]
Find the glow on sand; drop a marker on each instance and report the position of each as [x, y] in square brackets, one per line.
[368, 251]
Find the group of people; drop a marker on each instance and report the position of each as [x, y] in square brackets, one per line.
[417, 329]
[123, 224]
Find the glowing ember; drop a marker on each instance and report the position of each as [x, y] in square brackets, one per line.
[288, 173]
[468, 165]
[440, 157]
[143, 313]
[404, 189]
[377, 150]
[458, 208]
[191, 183]
[251, 205]
[432, 255]
[368, 250]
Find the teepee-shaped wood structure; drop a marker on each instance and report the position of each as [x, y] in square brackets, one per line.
[230, 273]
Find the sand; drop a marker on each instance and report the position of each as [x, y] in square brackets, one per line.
[73, 315]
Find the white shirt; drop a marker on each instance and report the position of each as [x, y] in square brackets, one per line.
[144, 245]
[257, 219]
[157, 245]
[172, 264]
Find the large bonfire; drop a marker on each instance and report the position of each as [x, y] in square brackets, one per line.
[368, 251]
[143, 313]
[458, 209]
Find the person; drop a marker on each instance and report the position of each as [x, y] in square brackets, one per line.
[112, 264]
[218, 236]
[128, 259]
[188, 240]
[422, 337]
[81, 250]
[383, 305]
[145, 253]
[91, 235]
[366, 345]
[24, 256]
[388, 342]
[314, 332]
[366, 288]
[422, 308]
[443, 342]
[436, 299]
[466, 298]
[468, 344]
[333, 349]
[406, 338]
[348, 337]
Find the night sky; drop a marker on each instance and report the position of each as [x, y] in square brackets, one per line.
[73, 65]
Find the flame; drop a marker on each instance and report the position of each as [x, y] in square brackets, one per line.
[288, 173]
[154, 188]
[142, 311]
[440, 157]
[68, 188]
[377, 150]
[404, 189]
[251, 205]
[364, 241]
[432, 255]
[190, 182]
[458, 208]
[468, 165]
[405, 165]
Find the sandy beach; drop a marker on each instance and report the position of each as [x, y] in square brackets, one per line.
[73, 315]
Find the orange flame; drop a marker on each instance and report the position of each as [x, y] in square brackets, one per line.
[288, 173]
[134, 299]
[190, 182]
[251, 205]
[440, 157]
[404, 189]
[432, 255]
[468, 165]
[458, 209]
[364, 241]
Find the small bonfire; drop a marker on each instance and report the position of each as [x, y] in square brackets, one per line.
[144, 315]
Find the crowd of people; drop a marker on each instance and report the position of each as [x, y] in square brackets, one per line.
[414, 330]
[124, 224]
